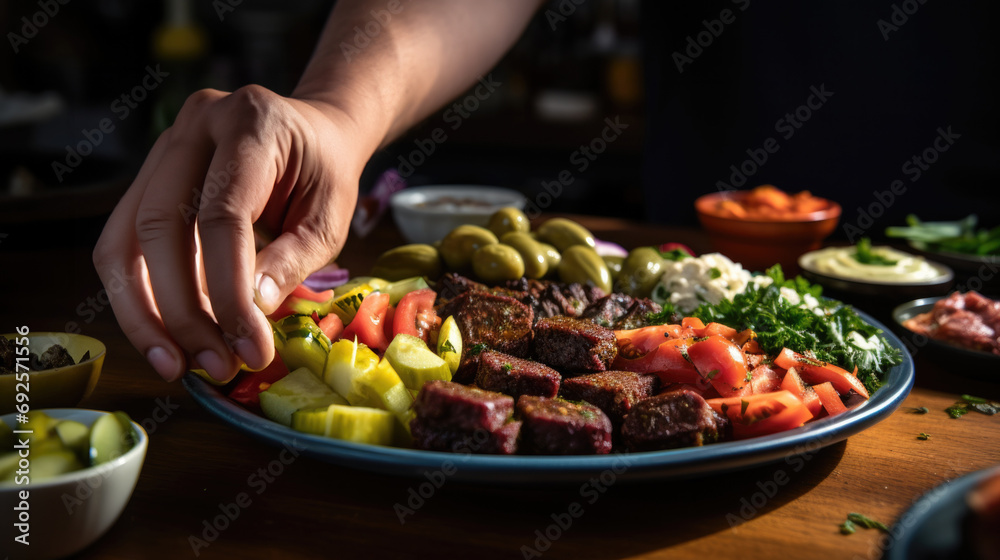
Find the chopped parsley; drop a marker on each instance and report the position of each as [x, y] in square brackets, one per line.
[921, 410]
[847, 527]
[714, 273]
[970, 403]
[712, 374]
[864, 254]
[507, 368]
[447, 346]
[779, 323]
[743, 406]
[924, 436]
[859, 520]
[477, 349]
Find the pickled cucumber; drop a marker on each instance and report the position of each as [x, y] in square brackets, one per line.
[110, 437]
[297, 390]
[415, 363]
[449, 344]
[351, 423]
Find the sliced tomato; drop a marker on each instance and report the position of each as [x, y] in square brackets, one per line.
[793, 382]
[415, 315]
[368, 325]
[765, 379]
[816, 371]
[830, 398]
[646, 339]
[250, 384]
[693, 323]
[721, 362]
[331, 325]
[667, 361]
[766, 413]
[302, 301]
[389, 316]
[719, 329]
[304, 292]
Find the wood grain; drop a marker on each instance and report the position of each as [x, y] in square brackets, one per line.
[197, 467]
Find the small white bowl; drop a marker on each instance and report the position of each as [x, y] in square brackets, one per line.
[427, 214]
[68, 512]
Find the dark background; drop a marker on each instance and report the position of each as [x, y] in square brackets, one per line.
[612, 59]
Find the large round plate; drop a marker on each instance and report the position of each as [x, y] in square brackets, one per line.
[525, 469]
[969, 362]
[932, 527]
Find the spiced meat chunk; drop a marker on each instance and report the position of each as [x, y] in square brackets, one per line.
[459, 418]
[574, 346]
[614, 392]
[670, 420]
[559, 427]
[488, 321]
[515, 377]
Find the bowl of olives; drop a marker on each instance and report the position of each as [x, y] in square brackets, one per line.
[67, 481]
[60, 369]
[427, 214]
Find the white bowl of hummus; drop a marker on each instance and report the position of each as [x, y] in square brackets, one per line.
[876, 270]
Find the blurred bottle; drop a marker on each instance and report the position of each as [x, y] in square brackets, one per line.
[181, 46]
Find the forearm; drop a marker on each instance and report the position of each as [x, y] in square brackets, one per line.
[423, 53]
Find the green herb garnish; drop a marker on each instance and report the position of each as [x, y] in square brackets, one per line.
[507, 368]
[866, 522]
[477, 349]
[864, 255]
[970, 403]
[921, 410]
[847, 527]
[712, 374]
[714, 273]
[924, 436]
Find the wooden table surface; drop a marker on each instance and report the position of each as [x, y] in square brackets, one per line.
[198, 467]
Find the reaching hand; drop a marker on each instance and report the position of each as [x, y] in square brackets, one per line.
[184, 229]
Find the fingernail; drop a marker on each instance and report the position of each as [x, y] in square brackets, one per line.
[213, 364]
[267, 291]
[162, 362]
[248, 352]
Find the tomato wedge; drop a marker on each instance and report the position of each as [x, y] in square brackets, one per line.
[830, 398]
[758, 415]
[415, 315]
[250, 384]
[764, 379]
[815, 372]
[302, 301]
[331, 325]
[304, 292]
[666, 361]
[646, 339]
[721, 362]
[794, 383]
[368, 323]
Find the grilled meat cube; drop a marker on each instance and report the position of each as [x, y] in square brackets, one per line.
[614, 392]
[607, 310]
[436, 438]
[515, 376]
[635, 317]
[574, 346]
[497, 322]
[461, 407]
[679, 418]
[452, 285]
[558, 427]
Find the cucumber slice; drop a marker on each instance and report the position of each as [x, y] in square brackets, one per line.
[40, 425]
[75, 436]
[297, 390]
[400, 288]
[53, 464]
[8, 465]
[351, 423]
[449, 345]
[414, 361]
[347, 364]
[110, 437]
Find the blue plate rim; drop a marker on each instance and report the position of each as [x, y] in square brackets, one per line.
[675, 463]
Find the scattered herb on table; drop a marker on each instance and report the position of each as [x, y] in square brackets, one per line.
[847, 527]
[858, 520]
[970, 403]
[924, 436]
[920, 410]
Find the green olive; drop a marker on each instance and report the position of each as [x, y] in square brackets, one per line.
[407, 261]
[536, 265]
[552, 256]
[582, 264]
[640, 272]
[508, 219]
[497, 262]
[457, 247]
[614, 265]
[563, 234]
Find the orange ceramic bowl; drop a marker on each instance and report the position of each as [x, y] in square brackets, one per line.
[759, 244]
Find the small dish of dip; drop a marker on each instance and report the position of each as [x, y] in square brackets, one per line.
[878, 270]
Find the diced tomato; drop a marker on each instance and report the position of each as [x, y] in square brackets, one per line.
[304, 292]
[302, 300]
[830, 398]
[331, 325]
[721, 362]
[693, 323]
[415, 315]
[368, 323]
[816, 371]
[387, 323]
[729, 333]
[666, 361]
[758, 415]
[647, 339]
[794, 383]
[765, 379]
[678, 247]
[251, 383]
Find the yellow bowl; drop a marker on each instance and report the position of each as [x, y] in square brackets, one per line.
[62, 387]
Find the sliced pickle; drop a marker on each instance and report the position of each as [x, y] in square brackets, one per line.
[351, 423]
[415, 363]
[449, 345]
[297, 390]
[110, 437]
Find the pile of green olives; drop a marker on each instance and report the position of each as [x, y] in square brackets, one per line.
[506, 249]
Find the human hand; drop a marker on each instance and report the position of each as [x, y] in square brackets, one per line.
[184, 230]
